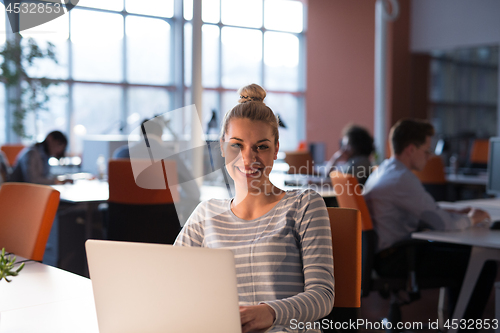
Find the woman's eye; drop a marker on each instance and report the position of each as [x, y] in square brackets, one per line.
[236, 145]
[262, 147]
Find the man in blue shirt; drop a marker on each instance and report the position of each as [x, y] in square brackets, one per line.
[399, 205]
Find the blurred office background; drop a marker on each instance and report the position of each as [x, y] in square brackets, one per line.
[123, 60]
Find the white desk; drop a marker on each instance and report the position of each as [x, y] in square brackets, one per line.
[84, 191]
[480, 179]
[485, 246]
[89, 193]
[44, 299]
[47, 299]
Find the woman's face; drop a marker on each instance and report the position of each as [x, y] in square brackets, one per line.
[249, 151]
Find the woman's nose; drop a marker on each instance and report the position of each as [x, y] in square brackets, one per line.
[248, 156]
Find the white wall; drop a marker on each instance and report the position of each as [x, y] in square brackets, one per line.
[447, 24]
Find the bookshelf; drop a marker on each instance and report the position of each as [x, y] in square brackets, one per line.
[463, 95]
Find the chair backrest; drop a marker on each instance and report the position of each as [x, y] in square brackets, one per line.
[388, 151]
[433, 172]
[27, 212]
[346, 239]
[479, 151]
[123, 186]
[300, 162]
[349, 195]
[11, 152]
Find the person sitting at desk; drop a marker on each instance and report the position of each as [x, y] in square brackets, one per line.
[353, 157]
[399, 205]
[281, 240]
[32, 164]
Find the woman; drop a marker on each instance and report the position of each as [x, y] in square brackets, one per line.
[353, 157]
[281, 240]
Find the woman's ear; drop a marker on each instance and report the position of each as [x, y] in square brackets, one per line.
[221, 148]
[277, 149]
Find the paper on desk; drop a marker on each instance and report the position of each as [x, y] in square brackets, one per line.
[493, 210]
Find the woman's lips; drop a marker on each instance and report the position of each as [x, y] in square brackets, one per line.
[249, 172]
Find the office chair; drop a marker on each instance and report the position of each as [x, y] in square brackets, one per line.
[349, 195]
[433, 178]
[346, 239]
[345, 225]
[11, 151]
[139, 214]
[479, 153]
[27, 212]
[300, 162]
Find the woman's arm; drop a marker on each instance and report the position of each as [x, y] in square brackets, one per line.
[313, 227]
[192, 234]
[32, 167]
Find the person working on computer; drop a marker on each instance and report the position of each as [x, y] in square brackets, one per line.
[32, 165]
[399, 205]
[281, 240]
[353, 157]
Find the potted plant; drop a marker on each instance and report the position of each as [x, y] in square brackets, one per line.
[31, 93]
[7, 266]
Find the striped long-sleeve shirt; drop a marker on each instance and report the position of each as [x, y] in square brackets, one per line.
[283, 258]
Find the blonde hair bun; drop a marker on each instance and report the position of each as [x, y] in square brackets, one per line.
[252, 92]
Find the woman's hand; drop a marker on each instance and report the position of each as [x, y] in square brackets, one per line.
[256, 317]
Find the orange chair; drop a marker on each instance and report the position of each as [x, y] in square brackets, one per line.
[27, 212]
[11, 151]
[433, 172]
[300, 162]
[433, 178]
[346, 240]
[479, 152]
[144, 212]
[346, 184]
[388, 149]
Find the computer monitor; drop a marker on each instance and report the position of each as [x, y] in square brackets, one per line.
[494, 167]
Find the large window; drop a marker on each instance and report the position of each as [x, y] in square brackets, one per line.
[115, 68]
[119, 63]
[252, 41]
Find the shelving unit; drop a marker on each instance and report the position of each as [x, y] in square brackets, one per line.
[463, 96]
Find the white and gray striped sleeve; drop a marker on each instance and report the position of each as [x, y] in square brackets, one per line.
[192, 234]
[313, 228]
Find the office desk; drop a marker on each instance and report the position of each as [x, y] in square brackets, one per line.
[485, 245]
[89, 193]
[47, 299]
[322, 185]
[459, 179]
[84, 191]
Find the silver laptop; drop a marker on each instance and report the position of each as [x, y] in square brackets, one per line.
[141, 287]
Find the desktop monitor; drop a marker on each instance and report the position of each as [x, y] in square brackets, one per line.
[494, 167]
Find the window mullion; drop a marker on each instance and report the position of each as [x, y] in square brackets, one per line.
[124, 106]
